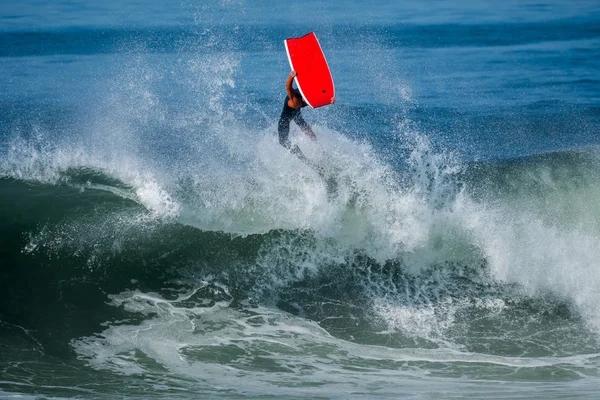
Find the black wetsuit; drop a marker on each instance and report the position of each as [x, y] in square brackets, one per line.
[287, 114]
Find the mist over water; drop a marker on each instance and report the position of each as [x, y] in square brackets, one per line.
[159, 242]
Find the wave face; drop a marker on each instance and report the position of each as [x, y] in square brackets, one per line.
[156, 241]
[478, 269]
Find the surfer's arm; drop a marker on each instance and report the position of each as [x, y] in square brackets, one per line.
[288, 85]
[295, 100]
[304, 126]
[309, 132]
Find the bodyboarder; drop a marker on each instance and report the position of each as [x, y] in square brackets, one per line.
[291, 111]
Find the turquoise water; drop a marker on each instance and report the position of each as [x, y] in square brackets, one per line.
[158, 242]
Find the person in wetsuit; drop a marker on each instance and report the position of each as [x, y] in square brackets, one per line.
[291, 111]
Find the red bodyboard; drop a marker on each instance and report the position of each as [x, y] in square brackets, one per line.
[313, 76]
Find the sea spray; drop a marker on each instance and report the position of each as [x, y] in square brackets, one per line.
[158, 242]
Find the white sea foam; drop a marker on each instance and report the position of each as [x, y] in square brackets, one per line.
[216, 173]
[217, 345]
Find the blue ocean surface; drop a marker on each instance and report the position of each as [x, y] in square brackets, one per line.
[156, 240]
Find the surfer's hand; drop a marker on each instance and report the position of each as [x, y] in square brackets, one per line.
[333, 100]
[293, 74]
[309, 132]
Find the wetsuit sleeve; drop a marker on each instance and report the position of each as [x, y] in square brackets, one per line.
[304, 126]
[301, 122]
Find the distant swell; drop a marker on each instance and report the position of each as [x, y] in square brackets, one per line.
[256, 38]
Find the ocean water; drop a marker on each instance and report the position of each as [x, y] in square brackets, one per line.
[157, 242]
